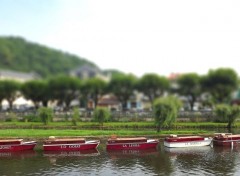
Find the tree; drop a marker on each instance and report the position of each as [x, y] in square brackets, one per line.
[220, 84]
[101, 115]
[122, 86]
[153, 85]
[165, 111]
[189, 85]
[94, 88]
[227, 113]
[75, 116]
[37, 91]
[46, 114]
[9, 90]
[64, 89]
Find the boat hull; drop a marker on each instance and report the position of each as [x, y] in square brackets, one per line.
[71, 147]
[18, 147]
[133, 145]
[227, 140]
[227, 143]
[198, 143]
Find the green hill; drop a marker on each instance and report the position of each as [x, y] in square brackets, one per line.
[20, 55]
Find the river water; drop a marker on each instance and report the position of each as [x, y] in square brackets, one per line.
[161, 161]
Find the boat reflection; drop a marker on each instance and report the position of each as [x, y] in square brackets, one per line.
[79, 153]
[173, 152]
[18, 154]
[131, 153]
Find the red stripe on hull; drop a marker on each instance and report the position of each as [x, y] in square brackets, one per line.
[226, 140]
[70, 147]
[226, 143]
[20, 147]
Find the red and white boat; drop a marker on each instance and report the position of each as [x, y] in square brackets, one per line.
[131, 143]
[13, 145]
[69, 144]
[186, 141]
[227, 139]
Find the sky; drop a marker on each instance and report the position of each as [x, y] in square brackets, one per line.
[134, 36]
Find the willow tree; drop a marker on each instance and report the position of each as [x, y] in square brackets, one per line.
[101, 115]
[165, 111]
[227, 113]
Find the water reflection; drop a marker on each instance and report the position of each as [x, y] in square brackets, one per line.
[116, 154]
[18, 154]
[203, 160]
[160, 161]
[82, 153]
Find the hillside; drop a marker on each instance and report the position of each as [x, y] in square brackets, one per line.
[20, 55]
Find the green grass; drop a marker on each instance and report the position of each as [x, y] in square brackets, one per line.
[38, 133]
[38, 130]
[116, 125]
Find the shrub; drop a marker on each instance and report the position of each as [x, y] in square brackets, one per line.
[46, 115]
[101, 115]
[75, 116]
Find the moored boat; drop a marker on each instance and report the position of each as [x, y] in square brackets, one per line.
[13, 145]
[227, 139]
[69, 144]
[186, 141]
[131, 143]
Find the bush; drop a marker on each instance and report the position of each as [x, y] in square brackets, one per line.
[101, 115]
[75, 116]
[46, 115]
[31, 118]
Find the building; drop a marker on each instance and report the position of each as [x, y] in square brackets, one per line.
[109, 101]
[87, 71]
[17, 76]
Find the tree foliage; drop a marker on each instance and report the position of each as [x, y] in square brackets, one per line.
[122, 86]
[37, 91]
[190, 86]
[93, 88]
[9, 90]
[46, 114]
[75, 116]
[227, 113]
[220, 84]
[64, 89]
[153, 85]
[165, 111]
[101, 115]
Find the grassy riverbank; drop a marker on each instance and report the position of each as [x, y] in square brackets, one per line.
[93, 129]
[41, 133]
[124, 125]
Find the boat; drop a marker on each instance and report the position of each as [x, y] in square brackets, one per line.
[13, 145]
[226, 139]
[69, 144]
[186, 141]
[131, 143]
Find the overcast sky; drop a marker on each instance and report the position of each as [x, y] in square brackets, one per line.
[134, 36]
